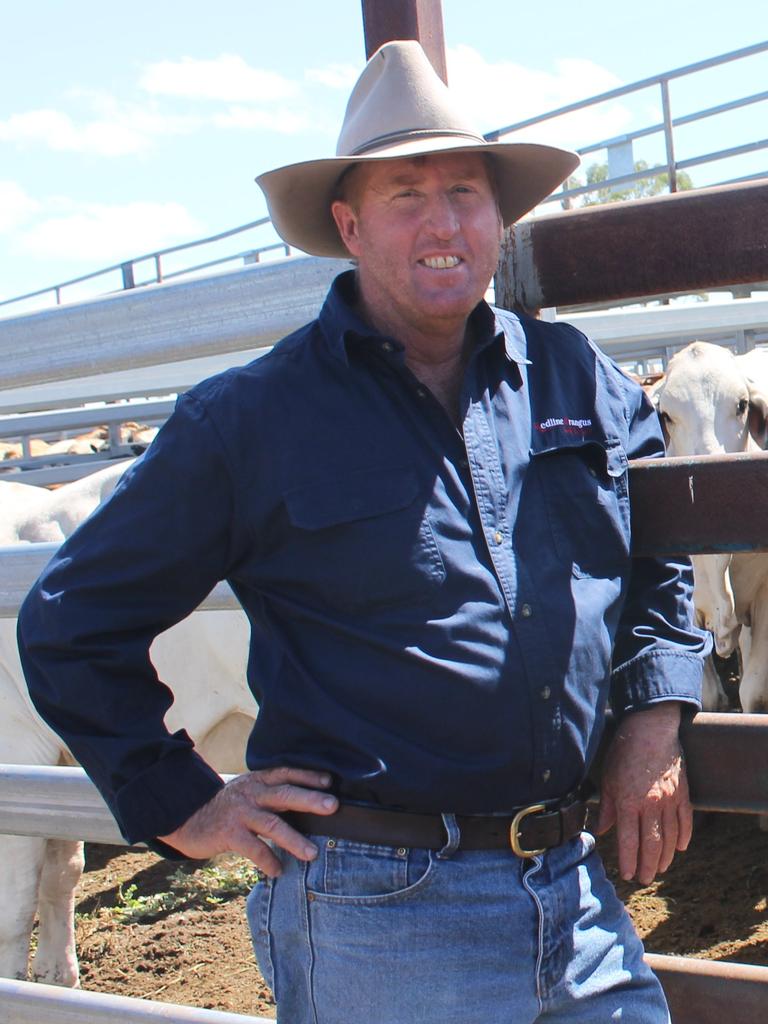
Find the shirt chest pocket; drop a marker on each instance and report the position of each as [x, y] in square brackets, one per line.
[364, 540]
[587, 501]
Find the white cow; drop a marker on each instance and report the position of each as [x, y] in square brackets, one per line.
[30, 514]
[203, 660]
[712, 402]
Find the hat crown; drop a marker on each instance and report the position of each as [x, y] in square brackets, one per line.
[400, 96]
[401, 109]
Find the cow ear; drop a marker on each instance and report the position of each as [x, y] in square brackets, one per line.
[758, 413]
[654, 393]
[664, 428]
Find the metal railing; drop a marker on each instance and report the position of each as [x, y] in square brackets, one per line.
[27, 1002]
[620, 148]
[619, 154]
[127, 268]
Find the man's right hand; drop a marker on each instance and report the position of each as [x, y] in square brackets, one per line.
[247, 811]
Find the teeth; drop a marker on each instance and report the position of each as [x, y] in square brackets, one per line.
[441, 262]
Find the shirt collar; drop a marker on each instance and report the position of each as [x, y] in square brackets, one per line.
[339, 319]
[341, 323]
[507, 324]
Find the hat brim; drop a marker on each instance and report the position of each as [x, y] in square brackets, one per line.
[299, 195]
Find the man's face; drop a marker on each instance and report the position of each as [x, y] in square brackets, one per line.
[426, 234]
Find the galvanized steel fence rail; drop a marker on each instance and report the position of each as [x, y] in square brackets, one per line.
[127, 269]
[27, 1002]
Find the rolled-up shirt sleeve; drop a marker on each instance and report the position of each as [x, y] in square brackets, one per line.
[659, 652]
[141, 563]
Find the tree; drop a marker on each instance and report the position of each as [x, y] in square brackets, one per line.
[651, 186]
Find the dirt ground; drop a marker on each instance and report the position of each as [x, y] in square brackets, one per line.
[191, 945]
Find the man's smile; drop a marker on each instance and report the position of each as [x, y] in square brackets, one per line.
[440, 262]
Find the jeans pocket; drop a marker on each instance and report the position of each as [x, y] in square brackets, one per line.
[352, 872]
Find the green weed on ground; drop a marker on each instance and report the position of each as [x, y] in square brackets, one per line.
[199, 889]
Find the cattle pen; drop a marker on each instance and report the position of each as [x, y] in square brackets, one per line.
[710, 238]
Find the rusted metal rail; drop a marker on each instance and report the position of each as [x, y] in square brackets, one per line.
[719, 748]
[709, 992]
[700, 505]
[727, 761]
[678, 243]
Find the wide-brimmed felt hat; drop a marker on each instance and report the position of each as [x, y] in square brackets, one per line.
[400, 107]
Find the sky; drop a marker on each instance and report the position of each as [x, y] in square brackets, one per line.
[125, 128]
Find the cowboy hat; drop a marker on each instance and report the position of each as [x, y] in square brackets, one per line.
[399, 107]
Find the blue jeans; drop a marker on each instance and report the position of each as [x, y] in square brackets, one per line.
[377, 935]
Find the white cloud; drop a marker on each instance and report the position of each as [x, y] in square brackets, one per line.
[147, 118]
[96, 232]
[59, 132]
[119, 129]
[16, 206]
[335, 76]
[285, 122]
[227, 77]
[503, 93]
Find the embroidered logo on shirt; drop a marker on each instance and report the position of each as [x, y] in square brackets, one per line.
[570, 426]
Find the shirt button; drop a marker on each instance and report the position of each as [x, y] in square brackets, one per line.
[546, 693]
[387, 346]
[592, 471]
[526, 611]
[498, 537]
[545, 775]
[421, 392]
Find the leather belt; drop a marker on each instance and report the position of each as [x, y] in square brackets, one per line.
[528, 831]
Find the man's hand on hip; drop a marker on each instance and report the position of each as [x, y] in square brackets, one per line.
[246, 812]
[645, 792]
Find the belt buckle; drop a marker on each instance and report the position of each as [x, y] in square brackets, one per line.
[514, 831]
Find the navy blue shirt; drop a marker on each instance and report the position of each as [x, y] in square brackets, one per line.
[439, 615]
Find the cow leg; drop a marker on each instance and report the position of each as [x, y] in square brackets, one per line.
[24, 740]
[753, 691]
[713, 696]
[55, 961]
[714, 600]
[21, 864]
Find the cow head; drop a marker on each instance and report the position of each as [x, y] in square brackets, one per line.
[704, 402]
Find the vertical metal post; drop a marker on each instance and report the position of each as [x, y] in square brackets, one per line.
[621, 160]
[158, 269]
[385, 20]
[128, 281]
[669, 141]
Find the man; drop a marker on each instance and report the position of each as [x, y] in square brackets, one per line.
[422, 505]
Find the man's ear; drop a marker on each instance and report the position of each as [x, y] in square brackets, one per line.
[758, 412]
[346, 224]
